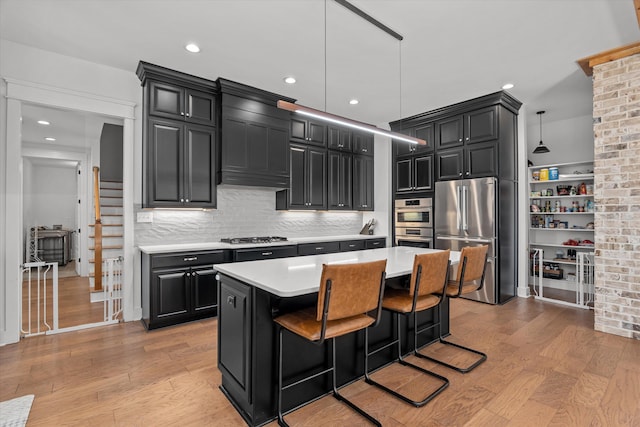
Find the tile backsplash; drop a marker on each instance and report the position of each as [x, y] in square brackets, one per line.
[242, 211]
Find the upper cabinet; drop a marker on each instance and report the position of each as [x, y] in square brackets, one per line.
[471, 139]
[255, 137]
[179, 139]
[308, 131]
[180, 103]
[362, 143]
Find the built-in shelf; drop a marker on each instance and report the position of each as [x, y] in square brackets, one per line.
[561, 197]
[561, 229]
[566, 178]
[561, 213]
[555, 245]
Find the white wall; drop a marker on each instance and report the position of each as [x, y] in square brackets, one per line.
[569, 140]
[54, 196]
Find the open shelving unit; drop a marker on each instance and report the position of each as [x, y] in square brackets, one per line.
[561, 231]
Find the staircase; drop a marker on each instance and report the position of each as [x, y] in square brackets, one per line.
[111, 213]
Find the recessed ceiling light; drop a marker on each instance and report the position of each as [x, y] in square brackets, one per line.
[43, 122]
[507, 86]
[192, 47]
[353, 101]
[290, 80]
[49, 139]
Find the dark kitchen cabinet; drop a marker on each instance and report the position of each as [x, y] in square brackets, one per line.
[363, 183]
[318, 248]
[180, 151]
[362, 143]
[414, 173]
[267, 252]
[308, 187]
[423, 131]
[352, 245]
[308, 131]
[234, 338]
[180, 103]
[469, 128]
[255, 137]
[179, 287]
[180, 161]
[376, 243]
[339, 138]
[340, 181]
[474, 161]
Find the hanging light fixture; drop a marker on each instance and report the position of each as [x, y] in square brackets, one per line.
[541, 148]
[332, 118]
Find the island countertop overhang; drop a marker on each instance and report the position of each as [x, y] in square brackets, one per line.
[295, 276]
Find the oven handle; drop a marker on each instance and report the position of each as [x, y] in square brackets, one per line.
[465, 239]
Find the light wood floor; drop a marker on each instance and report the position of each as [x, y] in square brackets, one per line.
[546, 367]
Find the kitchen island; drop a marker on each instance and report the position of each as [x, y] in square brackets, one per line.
[252, 293]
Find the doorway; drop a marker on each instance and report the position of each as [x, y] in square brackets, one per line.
[59, 148]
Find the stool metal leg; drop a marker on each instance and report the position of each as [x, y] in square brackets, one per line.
[402, 361]
[441, 339]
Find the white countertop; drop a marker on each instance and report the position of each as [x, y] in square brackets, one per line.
[184, 247]
[289, 277]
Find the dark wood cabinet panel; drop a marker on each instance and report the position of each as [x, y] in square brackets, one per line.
[362, 143]
[268, 252]
[481, 160]
[449, 132]
[352, 245]
[481, 125]
[414, 174]
[363, 183]
[376, 243]
[423, 131]
[180, 103]
[180, 287]
[339, 138]
[308, 186]
[298, 186]
[318, 248]
[180, 165]
[317, 176]
[172, 293]
[340, 182]
[308, 131]
[449, 164]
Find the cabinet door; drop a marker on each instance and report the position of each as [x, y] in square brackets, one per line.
[165, 163]
[352, 245]
[339, 181]
[166, 100]
[376, 243]
[481, 160]
[449, 164]
[172, 293]
[481, 125]
[425, 132]
[298, 184]
[449, 132]
[317, 133]
[201, 107]
[362, 143]
[200, 168]
[298, 130]
[205, 289]
[404, 175]
[234, 325]
[423, 173]
[339, 138]
[363, 183]
[317, 178]
[403, 148]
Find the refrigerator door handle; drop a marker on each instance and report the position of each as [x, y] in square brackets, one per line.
[465, 204]
[465, 239]
[459, 207]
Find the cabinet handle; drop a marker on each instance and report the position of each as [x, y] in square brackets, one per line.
[186, 200]
[182, 113]
[460, 174]
[190, 258]
[188, 115]
[319, 248]
[468, 173]
[188, 274]
[231, 300]
[352, 246]
[364, 150]
[460, 140]
[267, 253]
[467, 138]
[181, 200]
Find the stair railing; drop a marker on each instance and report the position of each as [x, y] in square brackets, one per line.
[97, 231]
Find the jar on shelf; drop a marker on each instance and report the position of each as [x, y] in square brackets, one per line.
[535, 175]
[544, 174]
[583, 189]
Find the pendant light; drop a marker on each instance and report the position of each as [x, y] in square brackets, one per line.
[541, 148]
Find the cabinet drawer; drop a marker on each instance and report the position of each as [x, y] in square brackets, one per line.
[352, 245]
[265, 253]
[376, 243]
[187, 259]
[318, 248]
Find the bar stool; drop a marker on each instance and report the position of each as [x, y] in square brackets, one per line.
[469, 278]
[348, 292]
[428, 282]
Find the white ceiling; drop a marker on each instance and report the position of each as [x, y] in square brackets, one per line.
[453, 50]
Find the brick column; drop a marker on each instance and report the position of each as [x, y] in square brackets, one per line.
[616, 112]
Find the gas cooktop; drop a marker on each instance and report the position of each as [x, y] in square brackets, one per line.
[268, 239]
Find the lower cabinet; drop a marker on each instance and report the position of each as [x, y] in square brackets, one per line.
[318, 248]
[179, 287]
[376, 243]
[352, 245]
[269, 252]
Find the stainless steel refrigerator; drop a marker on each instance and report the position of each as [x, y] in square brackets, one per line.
[466, 214]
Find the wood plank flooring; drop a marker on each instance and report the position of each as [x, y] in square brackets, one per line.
[546, 367]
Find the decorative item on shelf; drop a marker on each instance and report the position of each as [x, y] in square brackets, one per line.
[541, 148]
[583, 189]
[549, 192]
[563, 190]
[544, 174]
[573, 191]
[589, 190]
[535, 175]
[553, 174]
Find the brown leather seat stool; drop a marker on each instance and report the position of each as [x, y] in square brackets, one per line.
[469, 278]
[348, 293]
[426, 289]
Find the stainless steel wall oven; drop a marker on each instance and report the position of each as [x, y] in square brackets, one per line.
[413, 222]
